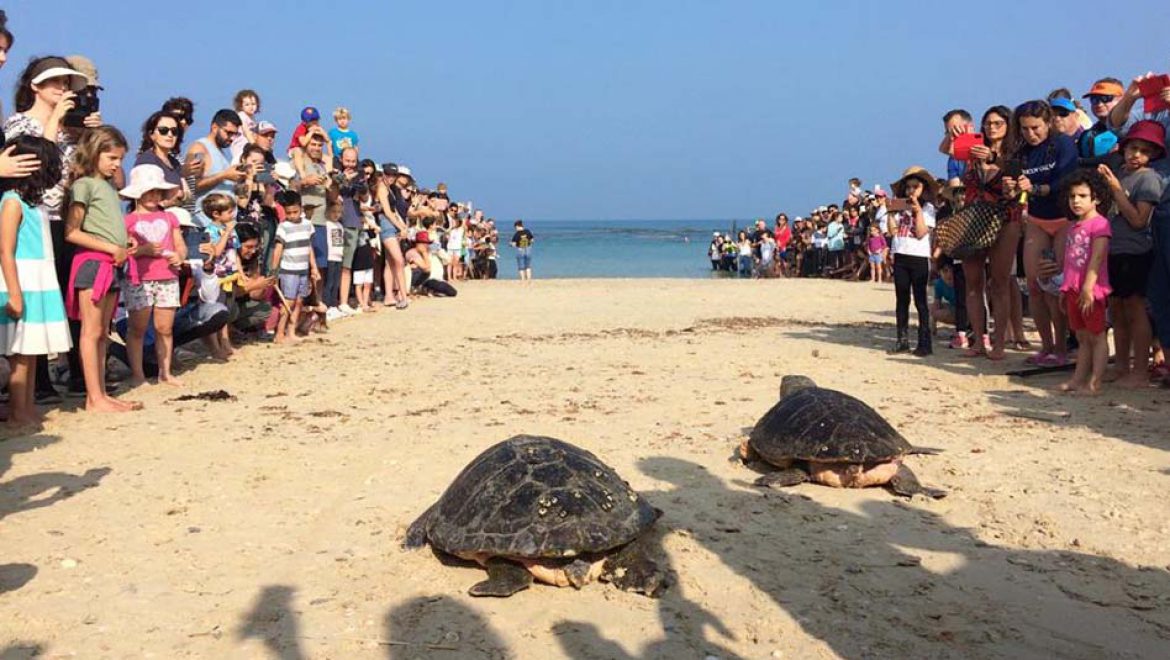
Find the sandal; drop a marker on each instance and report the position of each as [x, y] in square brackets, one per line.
[1053, 360]
[1037, 359]
[1022, 345]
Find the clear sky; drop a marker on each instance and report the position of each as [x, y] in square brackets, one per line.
[603, 109]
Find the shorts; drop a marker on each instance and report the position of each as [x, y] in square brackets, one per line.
[523, 258]
[350, 246]
[152, 293]
[320, 244]
[386, 229]
[87, 275]
[363, 276]
[294, 286]
[875, 258]
[1129, 273]
[1050, 227]
[1093, 322]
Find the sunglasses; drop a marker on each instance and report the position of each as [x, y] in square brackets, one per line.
[167, 130]
[1101, 98]
[1060, 112]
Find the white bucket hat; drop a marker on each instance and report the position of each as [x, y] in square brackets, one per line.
[144, 178]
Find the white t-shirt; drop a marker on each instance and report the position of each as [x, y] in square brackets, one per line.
[336, 234]
[904, 240]
[455, 240]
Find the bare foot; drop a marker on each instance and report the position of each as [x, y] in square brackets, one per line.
[1134, 381]
[170, 380]
[1114, 373]
[127, 405]
[1070, 386]
[104, 405]
[1089, 389]
[135, 381]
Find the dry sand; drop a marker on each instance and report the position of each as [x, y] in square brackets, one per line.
[269, 526]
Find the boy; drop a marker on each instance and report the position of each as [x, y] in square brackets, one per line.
[943, 307]
[221, 209]
[522, 240]
[293, 260]
[332, 291]
[341, 135]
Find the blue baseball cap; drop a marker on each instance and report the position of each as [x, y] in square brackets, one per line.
[1063, 103]
[310, 114]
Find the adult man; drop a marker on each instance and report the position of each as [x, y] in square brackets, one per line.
[314, 185]
[266, 140]
[350, 184]
[757, 237]
[522, 240]
[210, 158]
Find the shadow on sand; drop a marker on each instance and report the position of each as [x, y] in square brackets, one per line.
[898, 581]
[274, 621]
[35, 491]
[438, 627]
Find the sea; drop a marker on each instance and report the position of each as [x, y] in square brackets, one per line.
[566, 249]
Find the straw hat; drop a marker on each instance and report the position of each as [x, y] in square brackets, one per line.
[916, 172]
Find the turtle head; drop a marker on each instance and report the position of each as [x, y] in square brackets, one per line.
[578, 573]
[792, 384]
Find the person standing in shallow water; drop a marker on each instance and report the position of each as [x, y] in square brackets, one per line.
[522, 240]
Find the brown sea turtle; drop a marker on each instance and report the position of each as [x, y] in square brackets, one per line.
[828, 437]
[536, 507]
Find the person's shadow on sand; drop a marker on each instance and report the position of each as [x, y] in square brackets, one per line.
[847, 581]
[439, 626]
[35, 491]
[274, 621]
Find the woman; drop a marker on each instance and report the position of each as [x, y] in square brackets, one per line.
[43, 96]
[12, 166]
[743, 245]
[1044, 156]
[393, 196]
[783, 235]
[911, 227]
[251, 310]
[983, 182]
[161, 135]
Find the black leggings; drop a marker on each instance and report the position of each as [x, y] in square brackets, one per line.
[910, 275]
[63, 255]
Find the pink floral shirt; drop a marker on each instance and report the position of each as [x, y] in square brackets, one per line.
[1077, 253]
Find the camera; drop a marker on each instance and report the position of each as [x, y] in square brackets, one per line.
[85, 104]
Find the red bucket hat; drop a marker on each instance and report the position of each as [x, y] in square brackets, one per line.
[1148, 131]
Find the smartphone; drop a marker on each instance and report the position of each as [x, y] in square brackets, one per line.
[1013, 169]
[898, 204]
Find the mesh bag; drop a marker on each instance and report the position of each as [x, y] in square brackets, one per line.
[970, 231]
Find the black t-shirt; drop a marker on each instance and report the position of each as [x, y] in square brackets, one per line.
[522, 238]
[363, 256]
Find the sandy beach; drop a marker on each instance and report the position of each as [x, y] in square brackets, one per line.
[269, 525]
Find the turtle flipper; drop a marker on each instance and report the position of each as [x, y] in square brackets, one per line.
[932, 451]
[782, 478]
[416, 535]
[633, 569]
[504, 579]
[906, 484]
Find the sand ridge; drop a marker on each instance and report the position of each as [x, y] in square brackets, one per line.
[269, 525]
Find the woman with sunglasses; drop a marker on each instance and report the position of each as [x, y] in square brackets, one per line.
[983, 182]
[1043, 158]
[161, 136]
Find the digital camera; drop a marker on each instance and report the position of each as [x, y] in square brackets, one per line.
[85, 104]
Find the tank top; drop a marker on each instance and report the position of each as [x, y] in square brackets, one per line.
[220, 160]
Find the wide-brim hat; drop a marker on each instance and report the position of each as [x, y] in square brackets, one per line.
[1147, 131]
[915, 172]
[143, 179]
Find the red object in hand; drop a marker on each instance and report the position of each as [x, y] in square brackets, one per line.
[961, 145]
[1151, 89]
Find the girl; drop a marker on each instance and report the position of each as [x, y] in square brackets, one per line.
[876, 248]
[97, 230]
[161, 250]
[34, 319]
[455, 248]
[1086, 279]
[247, 105]
[1045, 157]
[911, 231]
[1134, 195]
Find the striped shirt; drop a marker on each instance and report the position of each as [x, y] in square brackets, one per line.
[297, 239]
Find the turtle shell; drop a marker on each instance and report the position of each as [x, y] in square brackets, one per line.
[817, 424]
[536, 497]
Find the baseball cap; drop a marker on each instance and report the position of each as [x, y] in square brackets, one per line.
[422, 237]
[1105, 87]
[265, 126]
[1063, 103]
[310, 114]
[48, 68]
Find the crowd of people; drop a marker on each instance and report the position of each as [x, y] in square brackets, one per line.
[218, 234]
[1074, 201]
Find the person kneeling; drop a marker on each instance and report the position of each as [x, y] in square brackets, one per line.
[418, 258]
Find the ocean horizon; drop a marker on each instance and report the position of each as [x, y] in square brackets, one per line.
[570, 249]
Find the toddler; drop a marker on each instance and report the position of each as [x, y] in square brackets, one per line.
[221, 209]
[1086, 278]
[876, 247]
[293, 260]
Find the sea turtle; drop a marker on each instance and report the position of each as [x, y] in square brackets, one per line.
[822, 435]
[536, 507]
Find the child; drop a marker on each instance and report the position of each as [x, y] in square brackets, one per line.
[820, 243]
[310, 126]
[222, 232]
[1135, 194]
[943, 307]
[340, 135]
[334, 256]
[767, 255]
[293, 260]
[363, 271]
[1086, 278]
[876, 247]
[34, 319]
[247, 106]
[161, 251]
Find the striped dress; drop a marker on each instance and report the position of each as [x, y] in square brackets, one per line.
[42, 328]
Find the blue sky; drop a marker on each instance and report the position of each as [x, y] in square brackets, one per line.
[606, 109]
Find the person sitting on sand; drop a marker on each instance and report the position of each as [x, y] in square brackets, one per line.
[942, 308]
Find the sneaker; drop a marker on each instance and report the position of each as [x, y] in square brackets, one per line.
[48, 398]
[959, 340]
[346, 310]
[402, 304]
[333, 313]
